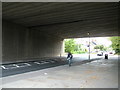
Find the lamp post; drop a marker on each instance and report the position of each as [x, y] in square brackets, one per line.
[89, 44]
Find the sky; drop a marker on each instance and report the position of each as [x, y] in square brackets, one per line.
[98, 40]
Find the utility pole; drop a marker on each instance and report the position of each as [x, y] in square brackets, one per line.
[89, 44]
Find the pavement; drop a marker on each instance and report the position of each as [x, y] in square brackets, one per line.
[99, 73]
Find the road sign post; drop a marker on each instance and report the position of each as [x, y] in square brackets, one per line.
[89, 45]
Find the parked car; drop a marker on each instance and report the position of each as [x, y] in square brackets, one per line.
[100, 54]
[110, 52]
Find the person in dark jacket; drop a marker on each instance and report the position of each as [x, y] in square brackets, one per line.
[69, 58]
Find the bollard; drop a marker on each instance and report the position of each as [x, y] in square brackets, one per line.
[106, 56]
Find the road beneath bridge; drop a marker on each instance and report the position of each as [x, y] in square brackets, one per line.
[100, 73]
[33, 65]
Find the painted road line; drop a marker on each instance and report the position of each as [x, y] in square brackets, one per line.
[16, 65]
[44, 62]
[4, 67]
[37, 62]
[27, 64]
[23, 65]
[11, 66]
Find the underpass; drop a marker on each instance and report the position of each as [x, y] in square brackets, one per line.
[35, 30]
[31, 31]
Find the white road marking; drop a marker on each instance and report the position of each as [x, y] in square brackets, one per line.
[36, 62]
[27, 64]
[4, 67]
[44, 62]
[16, 65]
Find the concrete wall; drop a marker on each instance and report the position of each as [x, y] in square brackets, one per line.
[20, 43]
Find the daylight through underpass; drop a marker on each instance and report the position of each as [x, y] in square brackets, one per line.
[91, 48]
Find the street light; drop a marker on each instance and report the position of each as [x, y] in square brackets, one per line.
[89, 43]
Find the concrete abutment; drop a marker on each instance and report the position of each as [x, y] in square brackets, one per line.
[21, 43]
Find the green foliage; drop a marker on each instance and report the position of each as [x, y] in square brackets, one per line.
[115, 44]
[77, 47]
[96, 47]
[101, 47]
[79, 52]
[69, 45]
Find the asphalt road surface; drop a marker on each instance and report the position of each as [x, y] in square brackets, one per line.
[23, 67]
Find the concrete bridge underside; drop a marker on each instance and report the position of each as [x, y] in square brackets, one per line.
[36, 30]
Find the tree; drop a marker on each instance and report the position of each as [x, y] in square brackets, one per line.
[70, 45]
[115, 44]
[96, 47]
[77, 47]
[101, 47]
